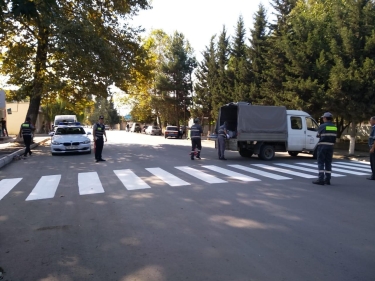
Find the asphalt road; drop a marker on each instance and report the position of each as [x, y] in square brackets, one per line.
[150, 213]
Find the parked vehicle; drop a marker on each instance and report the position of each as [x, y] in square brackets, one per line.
[136, 128]
[264, 130]
[153, 130]
[65, 119]
[172, 132]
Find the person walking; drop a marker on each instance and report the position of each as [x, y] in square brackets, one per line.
[327, 132]
[196, 132]
[371, 143]
[98, 132]
[4, 127]
[222, 135]
[26, 133]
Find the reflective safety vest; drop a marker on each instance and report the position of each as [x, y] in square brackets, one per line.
[99, 132]
[26, 129]
[327, 133]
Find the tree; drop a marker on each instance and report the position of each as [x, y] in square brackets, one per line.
[75, 48]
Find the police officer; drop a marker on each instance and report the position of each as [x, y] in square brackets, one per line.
[26, 132]
[371, 143]
[195, 134]
[98, 132]
[327, 133]
[222, 135]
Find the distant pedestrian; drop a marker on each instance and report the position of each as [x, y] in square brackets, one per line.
[4, 127]
[196, 132]
[371, 143]
[127, 127]
[327, 133]
[26, 132]
[222, 135]
[98, 132]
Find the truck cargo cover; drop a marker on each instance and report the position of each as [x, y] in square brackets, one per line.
[256, 119]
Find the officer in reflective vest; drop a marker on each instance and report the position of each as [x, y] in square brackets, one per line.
[195, 134]
[98, 131]
[327, 133]
[26, 133]
[222, 135]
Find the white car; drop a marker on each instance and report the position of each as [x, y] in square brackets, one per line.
[70, 138]
[153, 130]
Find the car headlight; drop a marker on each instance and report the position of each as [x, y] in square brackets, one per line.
[86, 142]
[55, 143]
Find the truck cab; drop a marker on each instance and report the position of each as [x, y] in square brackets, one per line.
[264, 130]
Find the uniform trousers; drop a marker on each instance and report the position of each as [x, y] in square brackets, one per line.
[99, 143]
[27, 141]
[325, 154]
[372, 163]
[221, 146]
[196, 143]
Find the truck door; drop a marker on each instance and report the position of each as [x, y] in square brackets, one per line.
[311, 131]
[296, 134]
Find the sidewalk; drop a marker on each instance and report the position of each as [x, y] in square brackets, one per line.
[14, 148]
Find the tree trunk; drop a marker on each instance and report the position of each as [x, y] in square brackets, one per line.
[40, 68]
[352, 138]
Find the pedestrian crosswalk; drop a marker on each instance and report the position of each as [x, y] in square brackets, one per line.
[90, 183]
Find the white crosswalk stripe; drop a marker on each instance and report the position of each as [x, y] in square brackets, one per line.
[45, 188]
[230, 173]
[285, 171]
[167, 177]
[306, 169]
[130, 180]
[7, 185]
[89, 183]
[337, 170]
[200, 175]
[260, 172]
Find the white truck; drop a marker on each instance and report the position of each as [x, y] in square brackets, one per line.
[264, 130]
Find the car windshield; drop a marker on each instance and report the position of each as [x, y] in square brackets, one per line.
[70, 131]
[172, 129]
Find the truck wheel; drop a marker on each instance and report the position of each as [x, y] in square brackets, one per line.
[246, 153]
[267, 152]
[293, 153]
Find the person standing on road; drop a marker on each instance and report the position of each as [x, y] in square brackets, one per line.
[4, 127]
[371, 143]
[26, 133]
[98, 132]
[196, 132]
[327, 133]
[222, 135]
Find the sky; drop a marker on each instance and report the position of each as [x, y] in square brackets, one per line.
[199, 20]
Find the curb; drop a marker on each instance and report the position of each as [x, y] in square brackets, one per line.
[9, 158]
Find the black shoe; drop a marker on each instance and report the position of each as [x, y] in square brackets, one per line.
[222, 158]
[101, 159]
[192, 158]
[97, 160]
[371, 179]
[30, 153]
[318, 182]
[327, 182]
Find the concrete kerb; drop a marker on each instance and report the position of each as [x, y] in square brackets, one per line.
[9, 158]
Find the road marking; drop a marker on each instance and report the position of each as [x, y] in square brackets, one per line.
[336, 169]
[7, 185]
[353, 165]
[306, 169]
[260, 172]
[363, 169]
[200, 175]
[285, 171]
[89, 183]
[360, 162]
[45, 188]
[167, 177]
[230, 173]
[130, 180]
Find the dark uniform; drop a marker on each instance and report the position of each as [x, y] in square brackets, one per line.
[195, 134]
[99, 142]
[371, 140]
[222, 135]
[26, 132]
[327, 133]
